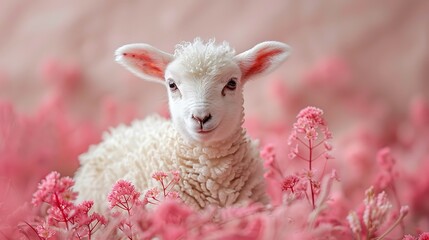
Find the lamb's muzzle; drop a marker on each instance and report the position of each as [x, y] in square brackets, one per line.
[204, 140]
[202, 120]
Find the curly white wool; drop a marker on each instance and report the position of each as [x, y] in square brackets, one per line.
[202, 59]
[223, 174]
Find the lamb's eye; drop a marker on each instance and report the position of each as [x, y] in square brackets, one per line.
[172, 85]
[232, 84]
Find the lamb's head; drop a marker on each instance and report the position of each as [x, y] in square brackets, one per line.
[204, 82]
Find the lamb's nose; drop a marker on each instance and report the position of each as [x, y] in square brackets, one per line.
[202, 120]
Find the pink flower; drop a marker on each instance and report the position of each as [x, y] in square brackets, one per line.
[301, 189]
[273, 175]
[311, 134]
[289, 183]
[306, 144]
[63, 217]
[86, 225]
[385, 177]
[173, 195]
[123, 195]
[165, 190]
[176, 176]
[376, 209]
[269, 157]
[309, 120]
[310, 117]
[53, 187]
[306, 132]
[159, 176]
[152, 193]
[60, 212]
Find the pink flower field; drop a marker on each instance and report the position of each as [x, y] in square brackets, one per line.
[367, 185]
[343, 125]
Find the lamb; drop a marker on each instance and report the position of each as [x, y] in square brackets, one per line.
[204, 140]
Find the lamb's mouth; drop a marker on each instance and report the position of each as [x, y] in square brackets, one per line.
[207, 131]
[203, 131]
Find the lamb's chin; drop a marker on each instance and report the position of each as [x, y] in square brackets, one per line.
[204, 136]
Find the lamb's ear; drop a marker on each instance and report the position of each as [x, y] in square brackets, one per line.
[144, 60]
[262, 58]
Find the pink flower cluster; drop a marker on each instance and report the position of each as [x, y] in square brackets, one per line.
[126, 198]
[63, 217]
[387, 175]
[60, 217]
[309, 141]
[156, 194]
[129, 217]
[303, 205]
[368, 223]
[123, 196]
[377, 219]
[374, 146]
[305, 135]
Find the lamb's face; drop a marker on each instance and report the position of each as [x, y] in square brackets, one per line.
[204, 82]
[205, 106]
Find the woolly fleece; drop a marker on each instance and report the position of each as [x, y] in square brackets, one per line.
[223, 174]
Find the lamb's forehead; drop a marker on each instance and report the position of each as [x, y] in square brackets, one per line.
[200, 58]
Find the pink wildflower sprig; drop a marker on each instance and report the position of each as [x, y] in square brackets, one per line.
[86, 224]
[123, 196]
[289, 183]
[53, 188]
[376, 209]
[167, 182]
[270, 163]
[367, 224]
[273, 176]
[387, 175]
[63, 217]
[56, 192]
[309, 142]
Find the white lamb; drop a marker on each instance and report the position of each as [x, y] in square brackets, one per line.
[219, 164]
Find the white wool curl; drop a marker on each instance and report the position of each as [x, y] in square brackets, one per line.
[200, 58]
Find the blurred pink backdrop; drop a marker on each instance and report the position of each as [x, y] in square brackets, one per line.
[365, 63]
[384, 45]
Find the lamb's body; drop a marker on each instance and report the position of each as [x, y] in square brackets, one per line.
[204, 140]
[223, 174]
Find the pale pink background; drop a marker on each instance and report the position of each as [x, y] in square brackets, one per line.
[385, 44]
